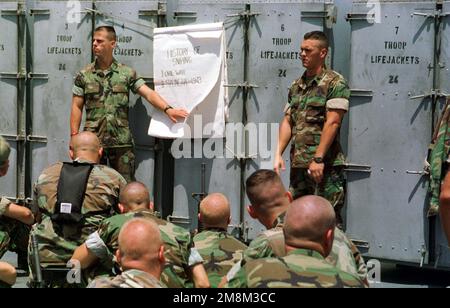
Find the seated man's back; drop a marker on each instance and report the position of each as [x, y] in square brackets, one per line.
[219, 249]
[301, 268]
[58, 242]
[177, 244]
[308, 235]
[73, 199]
[344, 254]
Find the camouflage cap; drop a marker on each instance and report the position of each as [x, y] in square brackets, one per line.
[4, 150]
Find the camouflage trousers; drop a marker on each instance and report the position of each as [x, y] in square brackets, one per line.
[122, 160]
[13, 236]
[331, 188]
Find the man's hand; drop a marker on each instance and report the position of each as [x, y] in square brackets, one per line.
[316, 172]
[279, 164]
[173, 114]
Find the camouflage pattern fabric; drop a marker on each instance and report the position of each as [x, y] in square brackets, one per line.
[344, 254]
[56, 242]
[438, 155]
[131, 279]
[13, 234]
[301, 268]
[122, 160]
[308, 103]
[331, 188]
[220, 252]
[106, 97]
[177, 245]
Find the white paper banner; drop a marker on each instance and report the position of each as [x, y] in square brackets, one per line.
[190, 73]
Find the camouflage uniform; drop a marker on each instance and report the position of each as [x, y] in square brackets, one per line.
[438, 159]
[344, 254]
[106, 97]
[57, 243]
[131, 279]
[13, 234]
[220, 252]
[308, 103]
[178, 245]
[301, 268]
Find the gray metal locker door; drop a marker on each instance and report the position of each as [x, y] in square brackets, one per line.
[276, 34]
[134, 26]
[222, 174]
[442, 252]
[59, 50]
[390, 129]
[9, 104]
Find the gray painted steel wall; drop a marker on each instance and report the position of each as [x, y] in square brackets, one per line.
[8, 88]
[391, 130]
[59, 50]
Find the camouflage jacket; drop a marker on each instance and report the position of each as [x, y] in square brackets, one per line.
[177, 243]
[3, 205]
[438, 155]
[308, 104]
[344, 254]
[106, 98]
[220, 252]
[131, 279]
[301, 268]
[5, 227]
[57, 243]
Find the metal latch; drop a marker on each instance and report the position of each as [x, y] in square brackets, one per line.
[39, 12]
[181, 15]
[435, 14]
[9, 75]
[20, 200]
[363, 246]
[329, 15]
[244, 14]
[17, 12]
[370, 18]
[245, 85]
[151, 13]
[361, 93]
[37, 139]
[32, 75]
[179, 220]
[14, 138]
[357, 168]
[421, 173]
[423, 254]
[433, 93]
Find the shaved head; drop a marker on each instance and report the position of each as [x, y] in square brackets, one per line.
[308, 220]
[215, 211]
[85, 145]
[139, 245]
[267, 195]
[135, 196]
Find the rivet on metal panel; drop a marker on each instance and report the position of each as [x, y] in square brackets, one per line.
[393, 248]
[380, 246]
[382, 170]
